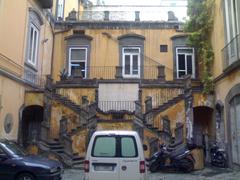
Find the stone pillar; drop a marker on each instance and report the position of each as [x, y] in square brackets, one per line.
[188, 108]
[148, 104]
[49, 82]
[161, 72]
[137, 17]
[106, 15]
[63, 128]
[118, 72]
[85, 100]
[138, 109]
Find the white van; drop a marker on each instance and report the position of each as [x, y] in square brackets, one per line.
[115, 155]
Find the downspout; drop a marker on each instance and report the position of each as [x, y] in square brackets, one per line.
[53, 45]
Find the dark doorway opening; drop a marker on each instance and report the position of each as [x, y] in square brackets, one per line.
[31, 124]
[203, 128]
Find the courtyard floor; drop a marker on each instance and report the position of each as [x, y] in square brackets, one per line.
[205, 174]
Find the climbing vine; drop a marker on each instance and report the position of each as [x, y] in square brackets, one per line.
[199, 26]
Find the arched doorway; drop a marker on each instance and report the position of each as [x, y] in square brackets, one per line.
[203, 128]
[32, 116]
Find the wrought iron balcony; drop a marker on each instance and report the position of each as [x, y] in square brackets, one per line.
[33, 78]
[231, 53]
[117, 72]
[108, 106]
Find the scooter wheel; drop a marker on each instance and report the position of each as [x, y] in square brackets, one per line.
[187, 165]
[153, 167]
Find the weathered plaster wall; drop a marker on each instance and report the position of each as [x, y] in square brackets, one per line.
[203, 100]
[222, 89]
[11, 100]
[13, 44]
[176, 114]
[58, 111]
[218, 38]
[76, 94]
[148, 136]
[105, 49]
[16, 45]
[114, 126]
[79, 142]
[159, 95]
[32, 98]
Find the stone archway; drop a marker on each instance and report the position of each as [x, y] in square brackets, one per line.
[32, 116]
[232, 104]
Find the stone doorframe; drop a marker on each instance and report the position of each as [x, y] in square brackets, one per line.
[228, 145]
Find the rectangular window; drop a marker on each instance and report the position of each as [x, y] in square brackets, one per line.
[104, 147]
[131, 62]
[60, 9]
[114, 146]
[232, 19]
[128, 147]
[185, 62]
[163, 48]
[78, 62]
[33, 45]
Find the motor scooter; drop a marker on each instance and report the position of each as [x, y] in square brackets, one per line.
[218, 156]
[178, 158]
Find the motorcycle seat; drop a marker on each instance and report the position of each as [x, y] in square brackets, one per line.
[178, 151]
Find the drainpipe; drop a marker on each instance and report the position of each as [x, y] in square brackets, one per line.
[53, 46]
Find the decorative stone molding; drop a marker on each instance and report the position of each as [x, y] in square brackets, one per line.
[161, 72]
[118, 72]
[8, 123]
[148, 104]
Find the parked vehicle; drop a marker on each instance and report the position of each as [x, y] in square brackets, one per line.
[218, 156]
[15, 164]
[179, 159]
[115, 155]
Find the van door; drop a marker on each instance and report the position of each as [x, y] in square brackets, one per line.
[129, 160]
[103, 159]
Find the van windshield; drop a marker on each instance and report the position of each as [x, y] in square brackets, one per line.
[115, 146]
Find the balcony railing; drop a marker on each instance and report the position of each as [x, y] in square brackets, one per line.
[121, 14]
[117, 72]
[34, 79]
[107, 106]
[231, 52]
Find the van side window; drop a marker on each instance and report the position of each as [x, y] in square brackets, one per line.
[128, 147]
[104, 147]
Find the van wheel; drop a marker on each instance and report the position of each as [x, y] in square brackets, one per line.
[25, 176]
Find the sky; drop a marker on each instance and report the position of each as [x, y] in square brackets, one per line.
[157, 11]
[142, 2]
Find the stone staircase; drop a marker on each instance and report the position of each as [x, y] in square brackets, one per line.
[151, 114]
[55, 147]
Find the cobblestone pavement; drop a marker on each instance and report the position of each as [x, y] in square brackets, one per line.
[206, 174]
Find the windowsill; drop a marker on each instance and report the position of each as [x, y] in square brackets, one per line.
[131, 77]
[231, 68]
